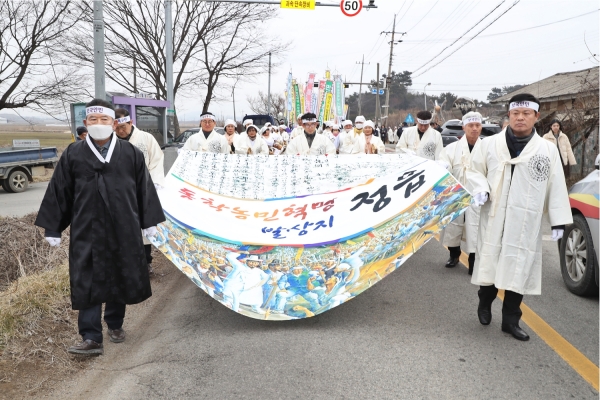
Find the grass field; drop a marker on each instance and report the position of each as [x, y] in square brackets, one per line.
[47, 139]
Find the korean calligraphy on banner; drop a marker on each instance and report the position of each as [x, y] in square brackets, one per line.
[284, 245]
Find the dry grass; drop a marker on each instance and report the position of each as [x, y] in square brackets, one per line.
[24, 251]
[47, 138]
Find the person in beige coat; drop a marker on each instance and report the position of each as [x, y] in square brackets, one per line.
[561, 141]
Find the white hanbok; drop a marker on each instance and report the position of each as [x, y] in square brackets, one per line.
[153, 155]
[392, 137]
[320, 146]
[509, 248]
[465, 227]
[430, 146]
[350, 142]
[375, 141]
[256, 146]
[297, 131]
[215, 143]
[233, 139]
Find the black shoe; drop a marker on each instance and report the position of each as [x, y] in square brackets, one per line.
[484, 314]
[452, 262]
[87, 348]
[116, 335]
[515, 331]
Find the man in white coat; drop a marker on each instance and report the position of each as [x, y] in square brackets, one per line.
[298, 130]
[153, 157]
[523, 176]
[251, 143]
[350, 137]
[421, 139]
[207, 140]
[368, 142]
[458, 157]
[309, 143]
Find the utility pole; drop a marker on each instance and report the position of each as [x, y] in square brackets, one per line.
[99, 82]
[388, 79]
[377, 109]
[362, 65]
[269, 89]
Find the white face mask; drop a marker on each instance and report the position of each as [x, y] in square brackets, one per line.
[100, 132]
[359, 126]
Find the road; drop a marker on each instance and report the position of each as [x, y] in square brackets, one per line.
[20, 204]
[413, 335]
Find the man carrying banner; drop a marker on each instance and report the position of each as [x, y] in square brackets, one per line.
[251, 143]
[309, 142]
[523, 176]
[101, 188]
[349, 138]
[368, 142]
[421, 139]
[458, 157]
[153, 157]
[207, 140]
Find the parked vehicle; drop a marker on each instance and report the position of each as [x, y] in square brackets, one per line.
[578, 248]
[18, 166]
[454, 128]
[261, 120]
[180, 140]
[449, 139]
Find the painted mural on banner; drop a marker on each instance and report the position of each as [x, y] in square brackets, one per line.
[289, 237]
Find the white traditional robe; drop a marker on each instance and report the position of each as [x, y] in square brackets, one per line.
[297, 131]
[153, 155]
[392, 136]
[285, 136]
[509, 248]
[257, 146]
[429, 147]
[375, 140]
[465, 227]
[320, 146]
[235, 137]
[350, 142]
[215, 143]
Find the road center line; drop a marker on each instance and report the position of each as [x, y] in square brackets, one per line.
[580, 363]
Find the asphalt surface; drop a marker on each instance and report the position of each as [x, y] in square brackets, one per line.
[413, 335]
[20, 204]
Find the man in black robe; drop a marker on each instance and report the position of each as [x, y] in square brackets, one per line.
[103, 190]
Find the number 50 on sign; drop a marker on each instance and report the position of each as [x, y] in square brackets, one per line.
[351, 8]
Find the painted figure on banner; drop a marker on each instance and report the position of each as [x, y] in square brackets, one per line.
[457, 158]
[250, 143]
[522, 176]
[310, 142]
[207, 140]
[421, 139]
[368, 142]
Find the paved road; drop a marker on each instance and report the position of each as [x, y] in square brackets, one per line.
[413, 335]
[19, 204]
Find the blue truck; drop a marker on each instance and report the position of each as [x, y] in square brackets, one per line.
[18, 166]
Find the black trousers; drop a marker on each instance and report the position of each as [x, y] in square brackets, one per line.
[455, 253]
[511, 308]
[90, 322]
[148, 251]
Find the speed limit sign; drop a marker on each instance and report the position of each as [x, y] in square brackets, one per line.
[351, 8]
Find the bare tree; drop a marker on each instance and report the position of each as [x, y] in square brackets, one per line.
[259, 104]
[210, 41]
[28, 75]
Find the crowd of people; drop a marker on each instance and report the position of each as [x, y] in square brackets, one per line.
[516, 177]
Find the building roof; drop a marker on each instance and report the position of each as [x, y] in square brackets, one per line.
[562, 86]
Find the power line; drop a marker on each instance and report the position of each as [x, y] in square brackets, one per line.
[427, 13]
[468, 41]
[463, 35]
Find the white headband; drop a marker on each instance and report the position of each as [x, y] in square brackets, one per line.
[123, 119]
[423, 121]
[470, 120]
[524, 104]
[207, 116]
[100, 110]
[304, 121]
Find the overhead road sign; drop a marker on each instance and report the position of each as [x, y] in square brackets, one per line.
[351, 8]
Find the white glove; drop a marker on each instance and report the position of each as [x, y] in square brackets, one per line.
[149, 232]
[480, 199]
[443, 164]
[157, 186]
[557, 234]
[55, 242]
